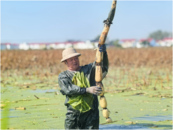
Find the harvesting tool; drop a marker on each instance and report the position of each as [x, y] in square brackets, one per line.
[99, 58]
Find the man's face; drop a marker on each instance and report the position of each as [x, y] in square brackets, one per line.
[73, 63]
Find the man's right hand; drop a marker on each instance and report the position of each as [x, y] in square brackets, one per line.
[94, 90]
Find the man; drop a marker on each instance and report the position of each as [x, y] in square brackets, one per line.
[81, 101]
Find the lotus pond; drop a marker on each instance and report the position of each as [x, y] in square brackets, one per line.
[134, 100]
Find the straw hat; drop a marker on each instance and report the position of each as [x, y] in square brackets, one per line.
[69, 53]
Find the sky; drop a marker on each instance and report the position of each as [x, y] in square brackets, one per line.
[56, 21]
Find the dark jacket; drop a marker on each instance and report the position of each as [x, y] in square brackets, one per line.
[68, 89]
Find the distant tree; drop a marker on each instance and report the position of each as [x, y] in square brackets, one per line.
[159, 35]
[116, 44]
[171, 35]
[96, 38]
[71, 40]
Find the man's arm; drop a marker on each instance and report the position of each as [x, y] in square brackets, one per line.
[67, 88]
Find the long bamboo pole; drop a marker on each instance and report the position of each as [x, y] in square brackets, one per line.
[99, 59]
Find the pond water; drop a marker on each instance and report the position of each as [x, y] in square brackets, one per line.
[154, 118]
[147, 117]
[9, 117]
[43, 91]
[114, 126]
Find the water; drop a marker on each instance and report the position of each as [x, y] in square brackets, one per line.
[113, 126]
[137, 126]
[9, 117]
[154, 118]
[43, 91]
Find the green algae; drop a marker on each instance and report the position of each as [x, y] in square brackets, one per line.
[49, 111]
[46, 112]
[125, 102]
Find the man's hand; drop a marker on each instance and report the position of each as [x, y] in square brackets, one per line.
[94, 90]
[102, 48]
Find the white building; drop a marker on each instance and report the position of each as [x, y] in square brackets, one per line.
[60, 45]
[139, 43]
[23, 46]
[43, 46]
[167, 42]
[84, 45]
[34, 46]
[127, 43]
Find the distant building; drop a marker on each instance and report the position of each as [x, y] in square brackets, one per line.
[23, 46]
[125, 43]
[128, 43]
[43, 46]
[52, 46]
[167, 42]
[5, 46]
[69, 44]
[34, 46]
[84, 45]
[143, 43]
[60, 45]
[75, 44]
[14, 46]
[153, 43]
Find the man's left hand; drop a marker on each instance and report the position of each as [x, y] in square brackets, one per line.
[102, 48]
